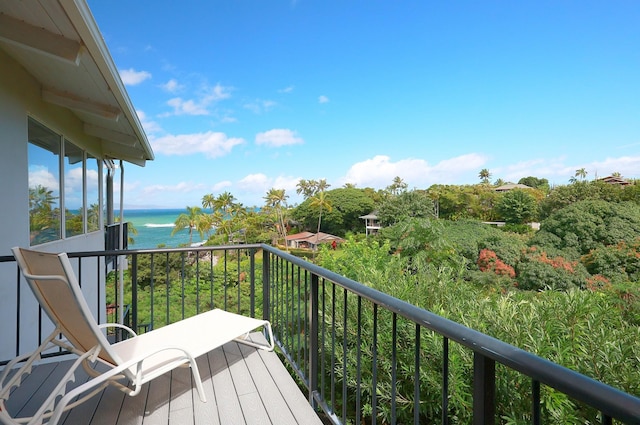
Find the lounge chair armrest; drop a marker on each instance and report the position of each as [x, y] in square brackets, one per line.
[118, 325]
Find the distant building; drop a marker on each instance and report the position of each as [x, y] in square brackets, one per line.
[310, 240]
[371, 223]
[510, 186]
[615, 180]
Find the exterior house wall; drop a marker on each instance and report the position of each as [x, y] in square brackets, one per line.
[20, 97]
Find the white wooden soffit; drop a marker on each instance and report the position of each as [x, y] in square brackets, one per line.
[38, 39]
[110, 135]
[74, 102]
[126, 153]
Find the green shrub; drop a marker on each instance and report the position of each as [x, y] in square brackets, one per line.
[539, 271]
[618, 263]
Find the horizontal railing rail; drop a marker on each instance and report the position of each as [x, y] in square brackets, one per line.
[360, 354]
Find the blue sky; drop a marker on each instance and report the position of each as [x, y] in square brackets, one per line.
[244, 96]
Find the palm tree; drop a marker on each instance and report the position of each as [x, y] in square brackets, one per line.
[192, 219]
[209, 201]
[277, 199]
[131, 231]
[321, 202]
[93, 217]
[224, 202]
[305, 187]
[582, 173]
[322, 185]
[41, 197]
[310, 188]
[484, 175]
[398, 186]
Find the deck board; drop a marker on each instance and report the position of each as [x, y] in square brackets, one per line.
[242, 386]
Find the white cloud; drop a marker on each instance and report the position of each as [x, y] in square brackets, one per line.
[150, 126]
[221, 185]
[187, 107]
[259, 106]
[379, 171]
[260, 183]
[323, 99]
[286, 90]
[200, 106]
[131, 77]
[253, 181]
[558, 171]
[73, 180]
[172, 86]
[211, 144]
[625, 165]
[41, 176]
[278, 137]
[92, 178]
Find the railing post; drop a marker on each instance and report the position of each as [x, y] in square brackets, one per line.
[484, 390]
[252, 282]
[313, 340]
[134, 292]
[266, 283]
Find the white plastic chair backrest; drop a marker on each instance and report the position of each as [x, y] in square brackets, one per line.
[62, 300]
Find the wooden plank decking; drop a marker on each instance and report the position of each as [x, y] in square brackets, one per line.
[242, 385]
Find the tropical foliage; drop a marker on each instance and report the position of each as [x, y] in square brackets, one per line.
[568, 292]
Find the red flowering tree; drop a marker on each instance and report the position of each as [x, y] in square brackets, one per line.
[488, 261]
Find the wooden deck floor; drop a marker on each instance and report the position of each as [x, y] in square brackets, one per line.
[243, 386]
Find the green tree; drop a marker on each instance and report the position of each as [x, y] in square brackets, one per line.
[455, 202]
[321, 202]
[518, 206]
[587, 225]
[276, 200]
[581, 173]
[191, 220]
[225, 202]
[536, 183]
[408, 204]
[485, 176]
[209, 202]
[397, 187]
[348, 205]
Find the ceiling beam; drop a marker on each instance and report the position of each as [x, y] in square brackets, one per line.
[110, 135]
[71, 101]
[28, 36]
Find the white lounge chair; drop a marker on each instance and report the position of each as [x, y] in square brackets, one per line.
[132, 362]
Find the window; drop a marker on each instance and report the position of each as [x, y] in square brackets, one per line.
[44, 184]
[93, 193]
[73, 190]
[77, 193]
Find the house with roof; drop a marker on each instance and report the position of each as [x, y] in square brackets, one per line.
[511, 186]
[371, 223]
[615, 180]
[68, 130]
[309, 240]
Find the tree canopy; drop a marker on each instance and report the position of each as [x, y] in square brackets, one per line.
[587, 225]
[348, 205]
[408, 204]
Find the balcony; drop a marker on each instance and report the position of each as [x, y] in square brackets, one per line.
[346, 352]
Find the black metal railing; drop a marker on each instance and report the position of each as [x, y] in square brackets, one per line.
[361, 356]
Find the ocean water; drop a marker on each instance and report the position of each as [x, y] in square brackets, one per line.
[154, 227]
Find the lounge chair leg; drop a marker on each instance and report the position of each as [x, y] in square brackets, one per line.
[196, 377]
